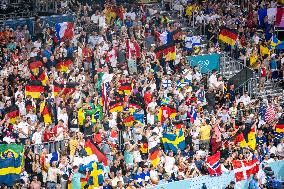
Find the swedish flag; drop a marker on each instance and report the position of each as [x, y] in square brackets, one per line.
[174, 141]
[274, 41]
[97, 174]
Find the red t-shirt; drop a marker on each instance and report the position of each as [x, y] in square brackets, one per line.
[262, 72]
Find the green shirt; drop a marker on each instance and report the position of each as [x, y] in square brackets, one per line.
[75, 182]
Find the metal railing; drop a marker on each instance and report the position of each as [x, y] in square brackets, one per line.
[229, 66]
[250, 86]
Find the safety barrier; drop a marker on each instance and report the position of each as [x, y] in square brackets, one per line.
[220, 182]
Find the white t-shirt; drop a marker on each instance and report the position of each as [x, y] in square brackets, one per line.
[25, 128]
[169, 164]
[60, 134]
[52, 174]
[213, 80]
[37, 137]
[22, 108]
[95, 18]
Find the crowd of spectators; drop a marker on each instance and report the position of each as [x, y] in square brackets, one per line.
[211, 112]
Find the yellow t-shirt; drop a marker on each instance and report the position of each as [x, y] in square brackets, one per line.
[73, 145]
[188, 10]
[205, 132]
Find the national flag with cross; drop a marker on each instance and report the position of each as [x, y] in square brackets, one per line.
[167, 83]
[213, 164]
[244, 168]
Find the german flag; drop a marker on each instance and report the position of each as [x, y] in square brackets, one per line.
[115, 107]
[63, 66]
[125, 88]
[69, 87]
[45, 113]
[144, 147]
[250, 142]
[12, 113]
[228, 36]
[34, 67]
[279, 129]
[154, 155]
[34, 89]
[43, 77]
[56, 89]
[172, 112]
[168, 51]
[90, 147]
[128, 121]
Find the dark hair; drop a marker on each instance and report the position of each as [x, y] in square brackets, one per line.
[75, 167]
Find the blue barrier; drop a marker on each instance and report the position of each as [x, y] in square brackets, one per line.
[220, 182]
[50, 20]
[206, 62]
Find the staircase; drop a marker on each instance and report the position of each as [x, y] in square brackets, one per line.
[229, 66]
[270, 89]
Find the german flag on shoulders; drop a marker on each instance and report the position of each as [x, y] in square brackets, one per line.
[228, 36]
[34, 89]
[12, 113]
[42, 77]
[168, 51]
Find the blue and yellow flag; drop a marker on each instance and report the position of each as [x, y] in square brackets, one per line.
[139, 118]
[174, 141]
[10, 169]
[274, 42]
[96, 176]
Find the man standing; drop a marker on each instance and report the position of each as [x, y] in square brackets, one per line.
[75, 178]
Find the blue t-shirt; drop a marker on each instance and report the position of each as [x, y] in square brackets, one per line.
[260, 140]
[273, 64]
[146, 176]
[139, 179]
